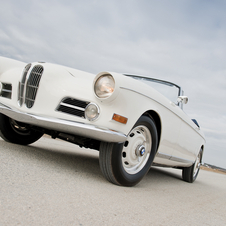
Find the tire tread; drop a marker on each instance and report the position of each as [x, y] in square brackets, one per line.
[105, 161]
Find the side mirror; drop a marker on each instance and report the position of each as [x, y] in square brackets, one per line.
[182, 99]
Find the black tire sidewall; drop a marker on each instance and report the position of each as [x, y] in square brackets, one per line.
[118, 170]
[10, 135]
[188, 172]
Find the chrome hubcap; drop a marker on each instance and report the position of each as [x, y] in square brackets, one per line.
[136, 150]
[140, 150]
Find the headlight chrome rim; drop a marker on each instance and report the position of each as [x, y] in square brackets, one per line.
[104, 86]
[93, 115]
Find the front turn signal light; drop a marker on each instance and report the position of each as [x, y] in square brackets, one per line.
[119, 118]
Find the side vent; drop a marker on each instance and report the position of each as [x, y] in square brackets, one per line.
[73, 107]
[6, 90]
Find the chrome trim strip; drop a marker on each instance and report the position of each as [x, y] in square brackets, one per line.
[176, 159]
[72, 106]
[149, 98]
[173, 158]
[66, 126]
[163, 156]
[7, 90]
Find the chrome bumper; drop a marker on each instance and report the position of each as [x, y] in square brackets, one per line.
[66, 126]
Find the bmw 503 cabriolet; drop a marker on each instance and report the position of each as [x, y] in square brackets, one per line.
[133, 121]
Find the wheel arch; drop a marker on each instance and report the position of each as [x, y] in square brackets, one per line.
[156, 118]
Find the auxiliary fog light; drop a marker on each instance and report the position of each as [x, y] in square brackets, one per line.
[92, 112]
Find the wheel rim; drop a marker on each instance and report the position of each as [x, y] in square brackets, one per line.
[19, 128]
[197, 164]
[136, 150]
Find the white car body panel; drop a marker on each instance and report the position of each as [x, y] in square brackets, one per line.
[180, 139]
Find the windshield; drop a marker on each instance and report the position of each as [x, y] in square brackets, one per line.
[168, 89]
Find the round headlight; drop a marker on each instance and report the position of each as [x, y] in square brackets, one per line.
[92, 112]
[104, 86]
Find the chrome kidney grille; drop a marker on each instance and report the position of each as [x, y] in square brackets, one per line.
[22, 84]
[32, 84]
[73, 107]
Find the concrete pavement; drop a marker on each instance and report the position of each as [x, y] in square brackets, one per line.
[56, 183]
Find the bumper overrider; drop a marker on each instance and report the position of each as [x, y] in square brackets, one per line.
[66, 126]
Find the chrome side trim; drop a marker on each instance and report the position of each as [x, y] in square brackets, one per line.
[163, 156]
[173, 158]
[176, 159]
[66, 126]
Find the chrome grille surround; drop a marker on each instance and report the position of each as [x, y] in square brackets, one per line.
[22, 85]
[73, 107]
[32, 85]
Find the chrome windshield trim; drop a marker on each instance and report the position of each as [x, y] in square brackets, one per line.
[66, 126]
[157, 81]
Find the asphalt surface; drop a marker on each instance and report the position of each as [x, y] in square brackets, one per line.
[56, 183]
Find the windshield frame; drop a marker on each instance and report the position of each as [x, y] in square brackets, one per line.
[180, 91]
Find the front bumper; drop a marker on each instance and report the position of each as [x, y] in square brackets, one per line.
[66, 126]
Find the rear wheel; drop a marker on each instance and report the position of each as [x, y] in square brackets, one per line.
[17, 132]
[127, 163]
[189, 174]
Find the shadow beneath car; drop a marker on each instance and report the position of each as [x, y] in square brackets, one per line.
[164, 172]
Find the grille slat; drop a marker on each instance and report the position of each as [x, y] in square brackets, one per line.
[71, 111]
[73, 107]
[75, 102]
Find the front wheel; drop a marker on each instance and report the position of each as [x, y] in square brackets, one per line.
[17, 132]
[189, 174]
[127, 163]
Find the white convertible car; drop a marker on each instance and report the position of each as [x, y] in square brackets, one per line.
[133, 121]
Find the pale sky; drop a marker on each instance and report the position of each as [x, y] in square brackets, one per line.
[182, 41]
